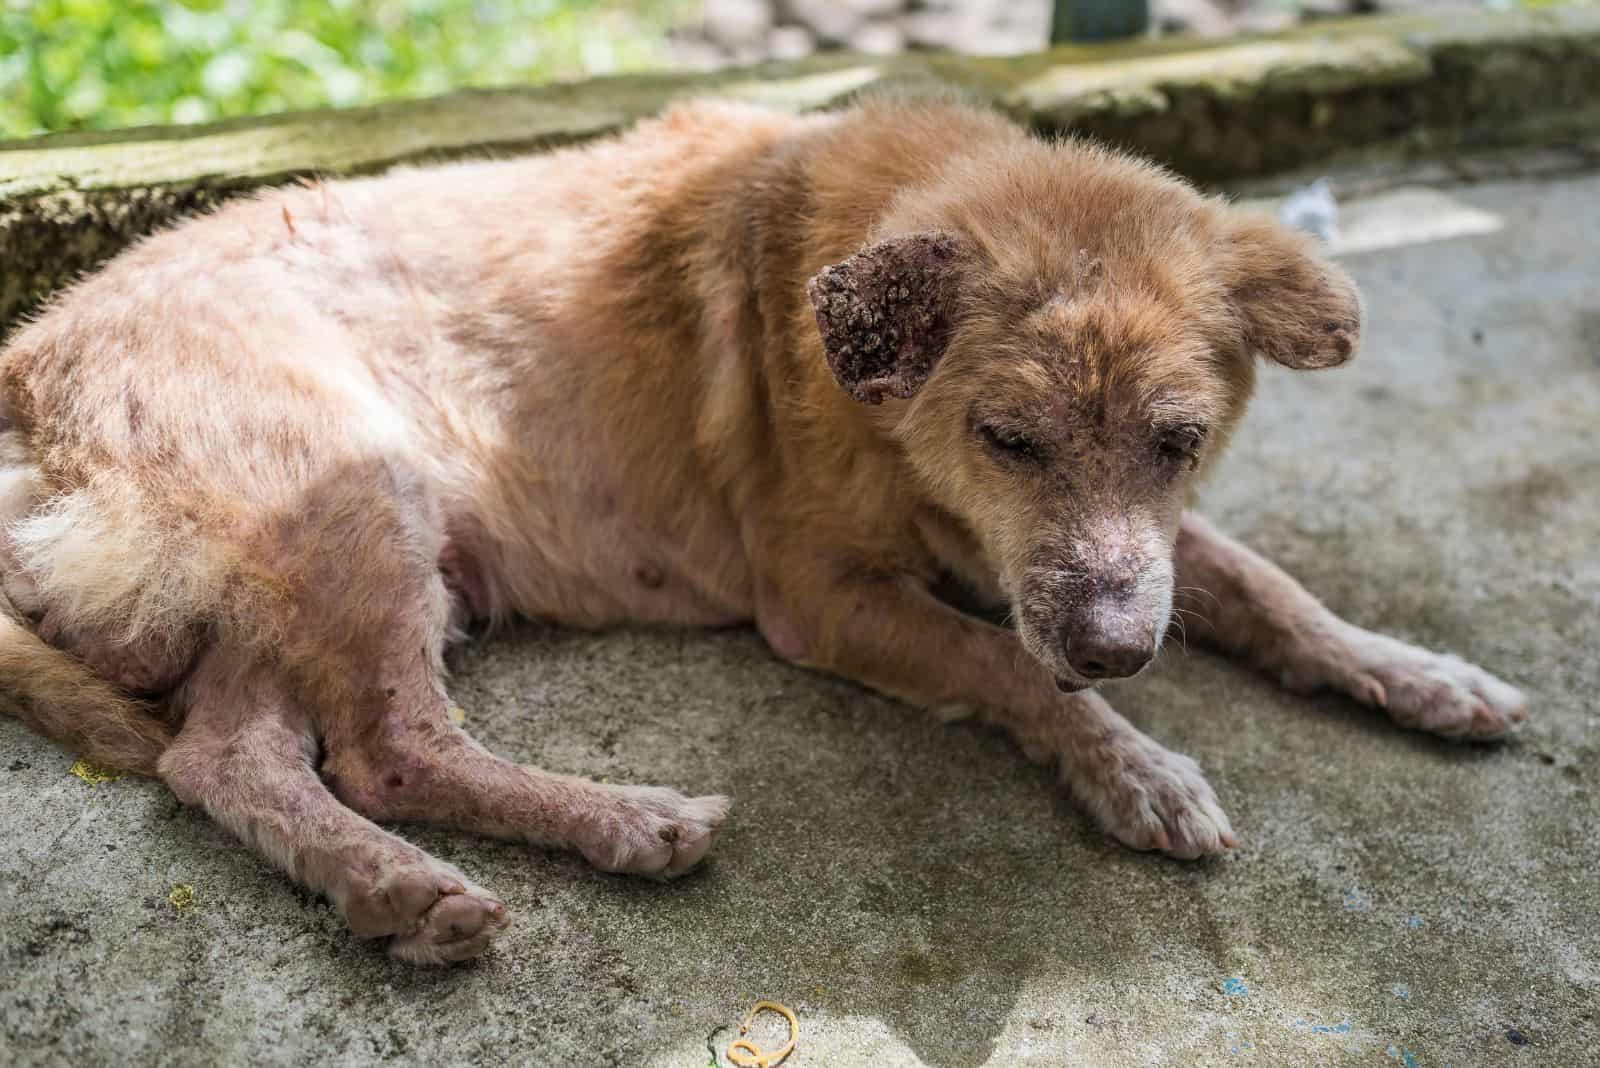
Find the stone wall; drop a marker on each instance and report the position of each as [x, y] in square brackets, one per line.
[735, 32]
[1214, 111]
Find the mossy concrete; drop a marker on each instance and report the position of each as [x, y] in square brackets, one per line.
[1212, 110]
[918, 892]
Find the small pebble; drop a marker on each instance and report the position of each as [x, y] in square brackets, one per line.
[93, 774]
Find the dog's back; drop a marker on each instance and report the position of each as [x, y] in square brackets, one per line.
[190, 428]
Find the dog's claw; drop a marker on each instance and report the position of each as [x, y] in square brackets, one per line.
[651, 830]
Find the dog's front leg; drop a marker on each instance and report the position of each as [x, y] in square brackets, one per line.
[895, 637]
[1231, 598]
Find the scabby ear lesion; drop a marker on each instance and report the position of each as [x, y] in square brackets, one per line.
[885, 314]
[1294, 306]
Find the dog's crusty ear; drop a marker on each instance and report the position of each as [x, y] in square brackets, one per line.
[885, 313]
[1294, 306]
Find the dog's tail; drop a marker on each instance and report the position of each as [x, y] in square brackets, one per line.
[56, 695]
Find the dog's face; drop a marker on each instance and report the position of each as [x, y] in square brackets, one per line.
[1064, 409]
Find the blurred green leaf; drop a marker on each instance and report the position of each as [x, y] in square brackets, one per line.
[70, 64]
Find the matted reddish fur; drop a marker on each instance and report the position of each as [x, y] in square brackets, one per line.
[729, 366]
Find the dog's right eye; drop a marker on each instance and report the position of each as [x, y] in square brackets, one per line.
[1008, 442]
[1181, 445]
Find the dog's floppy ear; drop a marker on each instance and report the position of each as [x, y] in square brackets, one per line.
[1294, 306]
[885, 313]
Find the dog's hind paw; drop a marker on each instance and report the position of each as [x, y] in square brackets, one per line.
[1150, 798]
[650, 830]
[456, 927]
[435, 915]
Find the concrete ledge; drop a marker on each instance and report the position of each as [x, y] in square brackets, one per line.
[1212, 111]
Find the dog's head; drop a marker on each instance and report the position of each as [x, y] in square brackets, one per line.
[1061, 360]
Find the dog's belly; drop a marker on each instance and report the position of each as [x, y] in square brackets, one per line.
[635, 578]
[628, 577]
[585, 554]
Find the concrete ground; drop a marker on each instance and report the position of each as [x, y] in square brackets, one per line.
[918, 893]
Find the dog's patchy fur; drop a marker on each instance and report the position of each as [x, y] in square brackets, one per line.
[730, 366]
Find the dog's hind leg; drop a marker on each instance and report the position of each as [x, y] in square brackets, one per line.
[1235, 600]
[246, 755]
[417, 766]
[395, 754]
[149, 664]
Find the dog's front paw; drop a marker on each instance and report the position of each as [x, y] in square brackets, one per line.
[650, 830]
[1148, 797]
[1439, 693]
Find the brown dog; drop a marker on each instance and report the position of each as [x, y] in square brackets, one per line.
[733, 365]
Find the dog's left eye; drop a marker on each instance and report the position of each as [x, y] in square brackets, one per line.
[1007, 441]
[1181, 443]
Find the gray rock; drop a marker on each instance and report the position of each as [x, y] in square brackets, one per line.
[791, 42]
[737, 23]
[1204, 18]
[936, 29]
[832, 22]
[879, 38]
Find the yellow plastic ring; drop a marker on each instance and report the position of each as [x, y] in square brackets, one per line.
[746, 1054]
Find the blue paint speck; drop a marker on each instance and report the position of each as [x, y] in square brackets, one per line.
[1356, 901]
[1413, 921]
[1401, 990]
[1404, 1056]
[1235, 987]
[1340, 1028]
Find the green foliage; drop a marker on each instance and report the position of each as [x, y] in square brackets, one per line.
[73, 64]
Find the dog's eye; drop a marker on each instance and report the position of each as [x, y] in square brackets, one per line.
[1009, 442]
[1181, 444]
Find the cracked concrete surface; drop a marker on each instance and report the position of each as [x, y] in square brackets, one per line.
[919, 893]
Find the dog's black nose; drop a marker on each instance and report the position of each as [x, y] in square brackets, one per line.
[1107, 656]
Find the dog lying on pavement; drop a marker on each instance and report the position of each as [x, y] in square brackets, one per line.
[730, 366]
